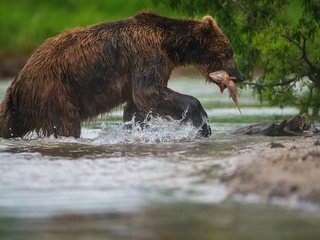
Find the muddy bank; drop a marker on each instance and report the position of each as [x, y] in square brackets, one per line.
[280, 169]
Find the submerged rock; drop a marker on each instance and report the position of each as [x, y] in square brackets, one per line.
[296, 126]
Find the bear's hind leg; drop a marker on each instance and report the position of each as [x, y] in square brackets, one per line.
[66, 128]
[62, 119]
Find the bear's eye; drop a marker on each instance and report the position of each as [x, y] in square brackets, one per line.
[228, 54]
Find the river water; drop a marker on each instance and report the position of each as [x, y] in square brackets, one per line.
[156, 183]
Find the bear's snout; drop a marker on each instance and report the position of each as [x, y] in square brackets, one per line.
[241, 78]
[235, 73]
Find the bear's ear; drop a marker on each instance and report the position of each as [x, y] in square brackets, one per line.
[209, 22]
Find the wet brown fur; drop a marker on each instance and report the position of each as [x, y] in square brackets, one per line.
[85, 72]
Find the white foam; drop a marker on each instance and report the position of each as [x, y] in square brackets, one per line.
[158, 130]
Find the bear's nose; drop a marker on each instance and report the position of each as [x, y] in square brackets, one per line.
[241, 78]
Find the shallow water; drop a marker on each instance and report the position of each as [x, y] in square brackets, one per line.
[156, 183]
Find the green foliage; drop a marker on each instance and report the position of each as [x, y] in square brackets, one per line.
[280, 37]
[25, 24]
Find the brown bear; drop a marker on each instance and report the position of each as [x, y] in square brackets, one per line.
[84, 72]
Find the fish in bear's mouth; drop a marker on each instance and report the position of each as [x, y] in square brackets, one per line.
[223, 80]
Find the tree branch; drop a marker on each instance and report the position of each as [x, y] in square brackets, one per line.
[270, 85]
[303, 51]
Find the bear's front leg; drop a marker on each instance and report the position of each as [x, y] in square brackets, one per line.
[166, 102]
[133, 114]
[194, 112]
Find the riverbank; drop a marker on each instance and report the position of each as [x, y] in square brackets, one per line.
[285, 172]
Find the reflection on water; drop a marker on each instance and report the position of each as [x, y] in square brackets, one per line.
[156, 183]
[180, 220]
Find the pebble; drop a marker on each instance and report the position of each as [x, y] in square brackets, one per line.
[307, 133]
[276, 145]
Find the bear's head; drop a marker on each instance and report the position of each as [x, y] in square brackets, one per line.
[216, 50]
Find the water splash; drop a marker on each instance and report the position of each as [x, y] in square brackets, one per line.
[156, 131]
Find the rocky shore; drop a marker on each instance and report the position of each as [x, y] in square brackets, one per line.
[280, 169]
